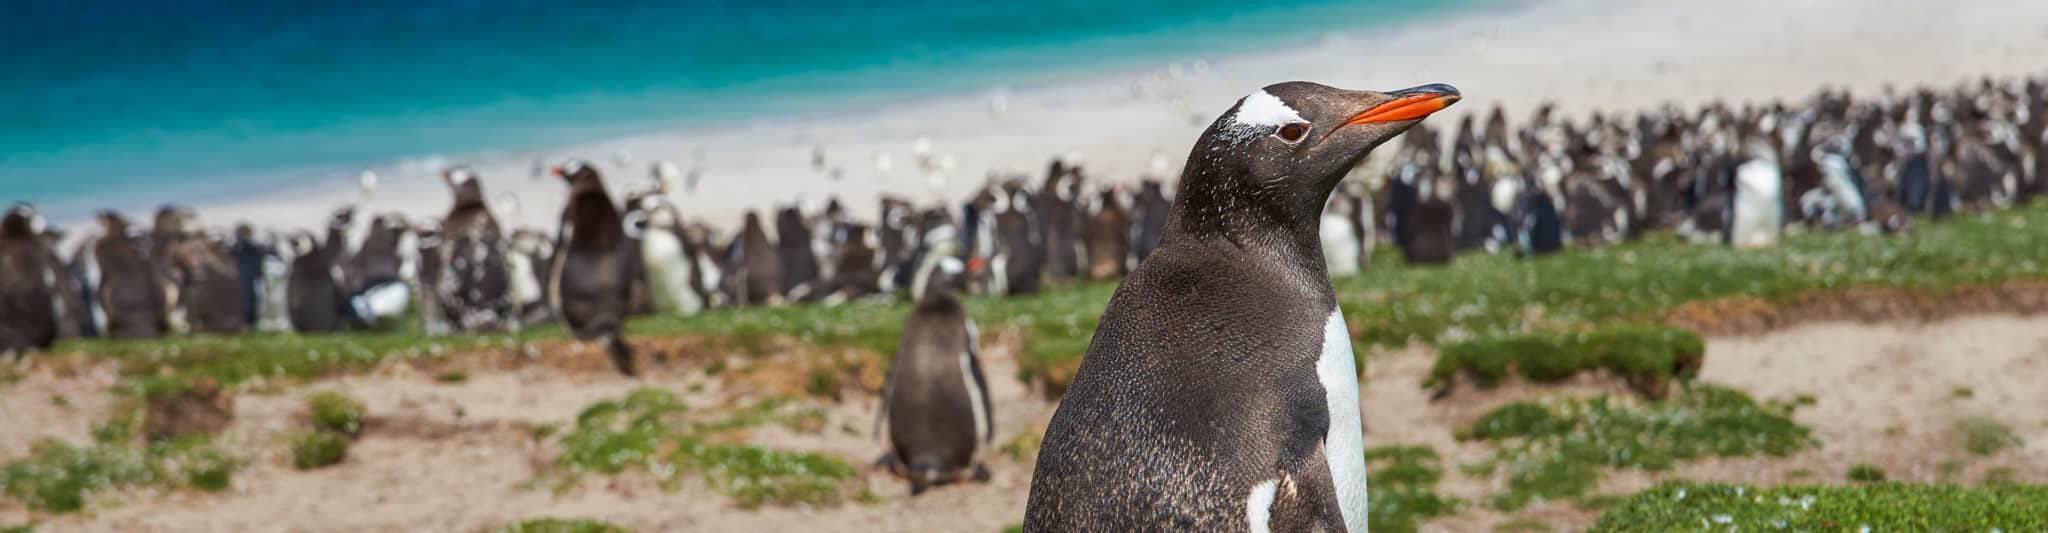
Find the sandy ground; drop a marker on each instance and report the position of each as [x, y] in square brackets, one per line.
[1584, 54]
[459, 456]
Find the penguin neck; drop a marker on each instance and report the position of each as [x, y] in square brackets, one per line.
[1270, 221]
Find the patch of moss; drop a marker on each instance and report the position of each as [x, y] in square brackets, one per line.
[1556, 449]
[1866, 473]
[1877, 506]
[58, 477]
[755, 476]
[1984, 436]
[561, 525]
[318, 449]
[1648, 356]
[24, 528]
[648, 431]
[451, 376]
[1403, 481]
[1022, 448]
[335, 412]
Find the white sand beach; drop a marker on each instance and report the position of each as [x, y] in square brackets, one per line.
[1583, 54]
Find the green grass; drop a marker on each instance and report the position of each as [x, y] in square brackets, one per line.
[318, 449]
[1558, 449]
[24, 528]
[1648, 356]
[1984, 436]
[649, 431]
[1866, 473]
[335, 412]
[561, 525]
[1403, 486]
[1022, 448]
[58, 477]
[1480, 296]
[1687, 506]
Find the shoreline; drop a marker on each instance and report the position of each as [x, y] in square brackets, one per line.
[1584, 55]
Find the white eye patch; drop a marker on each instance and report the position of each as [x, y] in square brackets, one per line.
[952, 266]
[1257, 115]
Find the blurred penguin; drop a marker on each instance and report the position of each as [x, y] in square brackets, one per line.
[131, 299]
[472, 284]
[30, 300]
[936, 400]
[593, 268]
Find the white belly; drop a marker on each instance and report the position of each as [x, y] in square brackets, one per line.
[1344, 446]
[669, 272]
[1340, 246]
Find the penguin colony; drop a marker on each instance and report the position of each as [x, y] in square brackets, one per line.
[1726, 175]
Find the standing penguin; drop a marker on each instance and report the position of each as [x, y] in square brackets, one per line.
[472, 284]
[1219, 392]
[1344, 249]
[799, 259]
[590, 279]
[1109, 237]
[314, 299]
[758, 268]
[130, 289]
[1151, 209]
[29, 294]
[250, 257]
[667, 255]
[1758, 213]
[936, 399]
[207, 283]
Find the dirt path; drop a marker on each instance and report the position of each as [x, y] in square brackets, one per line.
[455, 456]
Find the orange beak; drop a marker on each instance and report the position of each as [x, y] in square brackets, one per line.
[556, 171]
[1409, 104]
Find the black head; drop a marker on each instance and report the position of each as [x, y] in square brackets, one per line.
[580, 176]
[19, 222]
[1277, 154]
[467, 186]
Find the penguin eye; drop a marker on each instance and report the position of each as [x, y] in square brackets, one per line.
[1292, 133]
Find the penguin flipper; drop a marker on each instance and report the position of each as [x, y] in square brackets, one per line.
[980, 382]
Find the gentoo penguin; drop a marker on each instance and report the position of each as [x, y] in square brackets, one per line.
[1430, 235]
[250, 257]
[315, 300]
[29, 295]
[667, 257]
[1109, 236]
[1060, 216]
[131, 299]
[1219, 392]
[375, 276]
[1758, 213]
[1343, 248]
[209, 294]
[756, 266]
[528, 258]
[936, 399]
[799, 259]
[590, 279]
[472, 287]
[1018, 263]
[72, 317]
[1149, 210]
[856, 266]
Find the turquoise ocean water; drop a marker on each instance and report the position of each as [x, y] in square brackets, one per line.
[104, 100]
